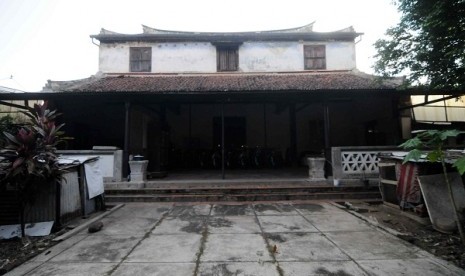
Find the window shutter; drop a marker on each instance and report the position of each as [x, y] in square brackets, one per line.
[314, 57]
[227, 58]
[140, 59]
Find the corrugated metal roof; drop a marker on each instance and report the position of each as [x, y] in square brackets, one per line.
[450, 110]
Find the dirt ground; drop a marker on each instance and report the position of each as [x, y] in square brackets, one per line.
[448, 247]
[445, 246]
[16, 251]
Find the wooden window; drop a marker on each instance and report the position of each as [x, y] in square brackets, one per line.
[314, 57]
[227, 58]
[140, 59]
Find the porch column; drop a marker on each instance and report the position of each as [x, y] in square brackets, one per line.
[222, 141]
[190, 126]
[293, 134]
[327, 124]
[127, 107]
[265, 131]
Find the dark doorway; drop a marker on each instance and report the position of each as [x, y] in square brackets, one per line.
[373, 136]
[234, 132]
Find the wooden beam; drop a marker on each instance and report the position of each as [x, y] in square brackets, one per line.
[15, 105]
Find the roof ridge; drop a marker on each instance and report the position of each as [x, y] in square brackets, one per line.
[302, 29]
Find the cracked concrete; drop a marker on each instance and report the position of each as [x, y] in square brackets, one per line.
[309, 238]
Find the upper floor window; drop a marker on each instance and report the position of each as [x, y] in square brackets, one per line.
[314, 57]
[140, 59]
[227, 58]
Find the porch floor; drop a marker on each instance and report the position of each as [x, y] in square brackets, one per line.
[297, 176]
[300, 173]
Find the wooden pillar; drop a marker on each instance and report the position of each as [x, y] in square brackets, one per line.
[327, 129]
[265, 130]
[127, 107]
[293, 133]
[164, 143]
[222, 141]
[190, 126]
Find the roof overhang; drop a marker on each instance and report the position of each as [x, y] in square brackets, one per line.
[233, 37]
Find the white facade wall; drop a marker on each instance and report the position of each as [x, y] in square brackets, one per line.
[115, 57]
[270, 57]
[340, 56]
[183, 58]
[200, 57]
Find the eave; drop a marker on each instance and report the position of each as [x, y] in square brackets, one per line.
[227, 37]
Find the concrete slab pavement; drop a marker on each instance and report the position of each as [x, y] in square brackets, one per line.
[310, 238]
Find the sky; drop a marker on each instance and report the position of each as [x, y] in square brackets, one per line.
[49, 39]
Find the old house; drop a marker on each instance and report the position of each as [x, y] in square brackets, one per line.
[173, 97]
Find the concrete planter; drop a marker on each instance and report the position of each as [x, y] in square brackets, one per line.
[138, 170]
[316, 168]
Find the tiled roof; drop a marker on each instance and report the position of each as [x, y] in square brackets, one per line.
[235, 82]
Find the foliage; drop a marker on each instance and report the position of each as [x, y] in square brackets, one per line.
[428, 44]
[29, 160]
[430, 144]
[6, 124]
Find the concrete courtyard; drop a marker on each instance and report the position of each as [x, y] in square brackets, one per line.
[309, 238]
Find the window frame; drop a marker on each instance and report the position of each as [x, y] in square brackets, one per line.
[317, 54]
[138, 60]
[227, 58]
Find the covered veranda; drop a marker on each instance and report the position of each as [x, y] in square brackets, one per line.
[299, 123]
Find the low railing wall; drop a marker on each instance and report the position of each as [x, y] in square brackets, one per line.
[110, 161]
[357, 163]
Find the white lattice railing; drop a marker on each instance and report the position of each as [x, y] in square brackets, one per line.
[360, 162]
[357, 162]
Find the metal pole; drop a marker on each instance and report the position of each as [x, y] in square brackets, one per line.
[222, 141]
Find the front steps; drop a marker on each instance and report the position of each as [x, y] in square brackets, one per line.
[235, 191]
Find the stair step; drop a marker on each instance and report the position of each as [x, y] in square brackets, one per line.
[240, 197]
[236, 188]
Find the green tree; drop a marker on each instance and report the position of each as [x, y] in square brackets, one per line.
[428, 44]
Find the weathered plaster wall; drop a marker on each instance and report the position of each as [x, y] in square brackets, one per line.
[115, 57]
[289, 56]
[200, 57]
[270, 56]
[183, 57]
[166, 57]
[340, 56]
